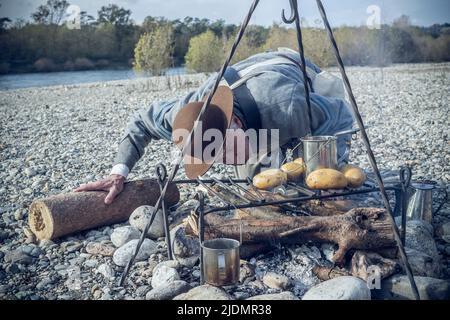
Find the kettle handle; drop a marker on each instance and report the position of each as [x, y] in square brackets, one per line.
[240, 234]
[405, 177]
[444, 201]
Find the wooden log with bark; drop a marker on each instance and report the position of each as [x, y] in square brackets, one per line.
[64, 214]
[359, 228]
[327, 273]
[363, 262]
[361, 265]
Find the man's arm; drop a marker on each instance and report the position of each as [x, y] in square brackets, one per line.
[154, 122]
[120, 169]
[149, 123]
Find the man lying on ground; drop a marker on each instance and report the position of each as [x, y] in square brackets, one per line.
[257, 113]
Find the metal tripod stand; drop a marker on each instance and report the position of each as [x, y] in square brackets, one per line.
[294, 18]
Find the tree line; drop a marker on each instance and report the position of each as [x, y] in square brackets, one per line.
[112, 39]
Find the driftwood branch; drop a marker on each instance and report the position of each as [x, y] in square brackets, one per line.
[327, 273]
[362, 265]
[359, 228]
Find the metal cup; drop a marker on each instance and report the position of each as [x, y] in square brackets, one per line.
[319, 152]
[420, 204]
[221, 261]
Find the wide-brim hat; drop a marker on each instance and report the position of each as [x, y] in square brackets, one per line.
[217, 116]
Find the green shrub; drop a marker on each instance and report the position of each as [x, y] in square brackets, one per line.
[83, 64]
[154, 50]
[69, 66]
[205, 53]
[44, 65]
[102, 63]
[317, 47]
[244, 50]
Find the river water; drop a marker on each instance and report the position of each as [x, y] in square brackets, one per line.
[27, 80]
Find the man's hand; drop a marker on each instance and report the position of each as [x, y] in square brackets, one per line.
[113, 184]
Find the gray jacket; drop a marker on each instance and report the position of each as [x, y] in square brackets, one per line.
[279, 94]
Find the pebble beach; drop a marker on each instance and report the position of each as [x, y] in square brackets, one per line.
[53, 139]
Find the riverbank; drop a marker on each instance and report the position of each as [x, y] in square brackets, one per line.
[55, 138]
[46, 79]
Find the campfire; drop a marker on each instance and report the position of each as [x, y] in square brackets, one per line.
[233, 220]
[294, 214]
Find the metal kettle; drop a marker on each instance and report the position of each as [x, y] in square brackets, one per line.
[420, 203]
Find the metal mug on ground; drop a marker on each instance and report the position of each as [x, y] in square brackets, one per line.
[221, 261]
[420, 204]
[319, 152]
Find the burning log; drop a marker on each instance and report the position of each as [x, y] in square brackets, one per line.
[362, 265]
[68, 213]
[359, 228]
[327, 273]
[363, 262]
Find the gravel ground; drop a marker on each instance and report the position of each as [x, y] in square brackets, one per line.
[55, 138]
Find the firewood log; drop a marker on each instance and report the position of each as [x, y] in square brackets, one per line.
[64, 214]
[361, 265]
[359, 228]
[363, 261]
[327, 273]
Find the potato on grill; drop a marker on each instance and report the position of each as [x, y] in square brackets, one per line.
[269, 179]
[354, 175]
[323, 179]
[293, 170]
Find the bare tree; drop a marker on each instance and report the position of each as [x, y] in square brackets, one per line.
[86, 19]
[114, 15]
[4, 22]
[53, 12]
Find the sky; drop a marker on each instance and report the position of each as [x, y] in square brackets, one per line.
[340, 12]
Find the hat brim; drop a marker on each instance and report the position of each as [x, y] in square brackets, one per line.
[223, 99]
